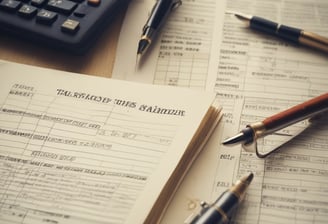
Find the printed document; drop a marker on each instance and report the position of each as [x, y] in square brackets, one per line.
[181, 53]
[83, 149]
[256, 75]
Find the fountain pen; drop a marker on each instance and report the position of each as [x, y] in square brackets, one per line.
[307, 109]
[292, 34]
[219, 212]
[158, 15]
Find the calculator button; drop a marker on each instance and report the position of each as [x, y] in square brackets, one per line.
[81, 10]
[38, 3]
[9, 5]
[70, 26]
[27, 11]
[63, 6]
[46, 17]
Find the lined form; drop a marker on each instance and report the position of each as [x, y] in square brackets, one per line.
[263, 75]
[52, 146]
[291, 185]
[257, 76]
[181, 54]
[254, 75]
[82, 149]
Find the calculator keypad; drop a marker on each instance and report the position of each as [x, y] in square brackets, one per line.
[46, 17]
[63, 6]
[69, 22]
[27, 11]
[51, 8]
[9, 5]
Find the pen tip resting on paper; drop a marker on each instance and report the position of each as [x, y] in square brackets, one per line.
[235, 139]
[137, 62]
[248, 179]
[143, 45]
[245, 136]
[243, 17]
[241, 185]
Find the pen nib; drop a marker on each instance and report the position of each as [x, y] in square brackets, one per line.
[241, 185]
[235, 139]
[137, 62]
[142, 46]
[243, 17]
[248, 179]
[245, 136]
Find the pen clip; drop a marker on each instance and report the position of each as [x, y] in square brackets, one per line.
[269, 144]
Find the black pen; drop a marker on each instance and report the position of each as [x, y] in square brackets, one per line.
[158, 15]
[220, 210]
[292, 34]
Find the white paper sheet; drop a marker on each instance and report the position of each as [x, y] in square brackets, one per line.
[257, 75]
[181, 53]
[84, 149]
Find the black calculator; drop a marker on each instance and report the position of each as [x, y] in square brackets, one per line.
[71, 25]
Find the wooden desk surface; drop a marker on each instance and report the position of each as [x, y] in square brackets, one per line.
[98, 61]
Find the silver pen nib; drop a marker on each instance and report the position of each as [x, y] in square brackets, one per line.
[241, 16]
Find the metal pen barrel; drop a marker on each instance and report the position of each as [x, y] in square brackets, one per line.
[220, 211]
